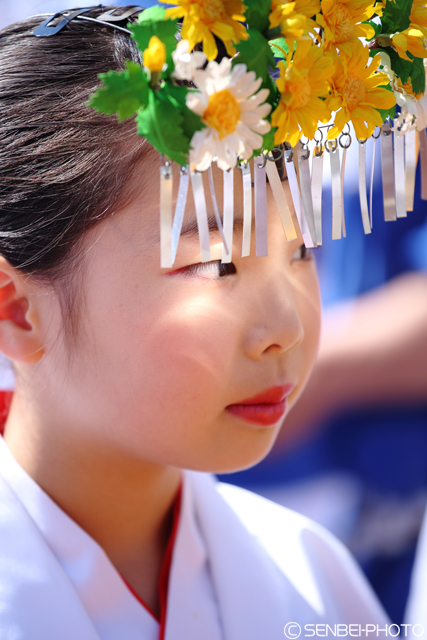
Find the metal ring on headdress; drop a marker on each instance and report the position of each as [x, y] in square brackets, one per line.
[264, 161]
[386, 131]
[375, 137]
[345, 135]
[318, 142]
[362, 141]
[318, 149]
[304, 145]
[276, 154]
[289, 152]
[242, 164]
[331, 145]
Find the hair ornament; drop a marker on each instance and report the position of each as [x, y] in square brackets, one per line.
[301, 79]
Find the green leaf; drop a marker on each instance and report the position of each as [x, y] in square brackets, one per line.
[256, 54]
[405, 69]
[124, 92]
[418, 76]
[152, 14]
[152, 23]
[191, 122]
[277, 46]
[257, 14]
[395, 16]
[161, 123]
[268, 138]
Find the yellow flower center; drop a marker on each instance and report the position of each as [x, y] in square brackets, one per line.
[341, 24]
[301, 92]
[223, 112]
[154, 57]
[212, 11]
[353, 92]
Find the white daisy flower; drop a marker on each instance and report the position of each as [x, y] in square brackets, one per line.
[186, 63]
[233, 110]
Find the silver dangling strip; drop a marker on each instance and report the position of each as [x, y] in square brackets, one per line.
[228, 213]
[307, 202]
[423, 159]
[260, 185]
[247, 209]
[201, 214]
[371, 190]
[363, 197]
[399, 175]
[296, 198]
[215, 207]
[166, 184]
[344, 158]
[280, 199]
[316, 193]
[336, 194]
[184, 180]
[410, 168]
[387, 172]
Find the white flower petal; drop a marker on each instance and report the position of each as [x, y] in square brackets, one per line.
[254, 139]
[233, 142]
[252, 88]
[197, 102]
[244, 86]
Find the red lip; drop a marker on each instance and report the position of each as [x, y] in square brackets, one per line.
[265, 408]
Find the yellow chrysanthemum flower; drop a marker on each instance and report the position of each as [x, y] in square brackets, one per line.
[357, 93]
[303, 82]
[342, 20]
[418, 16]
[413, 39]
[222, 18]
[154, 57]
[294, 18]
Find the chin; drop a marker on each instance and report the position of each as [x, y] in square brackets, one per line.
[239, 456]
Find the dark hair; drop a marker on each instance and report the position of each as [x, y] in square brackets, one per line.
[63, 167]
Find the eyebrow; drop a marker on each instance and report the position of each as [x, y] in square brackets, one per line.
[190, 228]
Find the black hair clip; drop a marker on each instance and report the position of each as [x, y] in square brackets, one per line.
[109, 18]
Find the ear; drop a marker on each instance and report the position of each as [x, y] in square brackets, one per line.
[20, 337]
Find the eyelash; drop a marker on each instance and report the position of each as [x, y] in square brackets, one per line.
[204, 269]
[306, 254]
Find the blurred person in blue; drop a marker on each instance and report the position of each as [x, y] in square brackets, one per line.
[353, 452]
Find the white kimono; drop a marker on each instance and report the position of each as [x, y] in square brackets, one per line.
[416, 610]
[242, 569]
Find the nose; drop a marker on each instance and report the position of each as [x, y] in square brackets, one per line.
[276, 324]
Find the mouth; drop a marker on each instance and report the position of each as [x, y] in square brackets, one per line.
[265, 409]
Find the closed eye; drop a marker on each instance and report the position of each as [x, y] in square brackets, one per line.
[302, 253]
[212, 269]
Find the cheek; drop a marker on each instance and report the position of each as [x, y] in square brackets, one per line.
[309, 307]
[172, 368]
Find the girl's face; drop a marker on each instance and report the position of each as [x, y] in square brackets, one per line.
[161, 355]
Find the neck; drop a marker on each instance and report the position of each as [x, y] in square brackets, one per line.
[123, 503]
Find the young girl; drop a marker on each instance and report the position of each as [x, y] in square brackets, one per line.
[133, 383]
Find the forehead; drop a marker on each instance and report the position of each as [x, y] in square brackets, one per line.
[145, 184]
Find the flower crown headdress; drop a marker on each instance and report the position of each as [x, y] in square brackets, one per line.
[298, 74]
